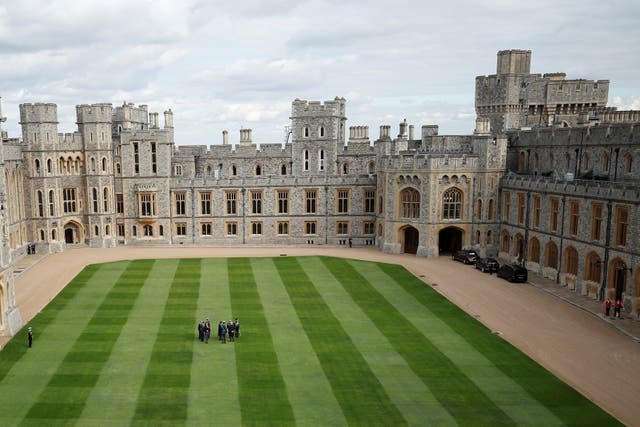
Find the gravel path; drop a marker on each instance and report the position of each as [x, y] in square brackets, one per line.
[600, 362]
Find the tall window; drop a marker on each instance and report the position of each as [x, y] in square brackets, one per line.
[521, 162]
[605, 162]
[154, 164]
[521, 208]
[147, 230]
[571, 260]
[105, 199]
[574, 217]
[410, 203]
[536, 211]
[177, 170]
[534, 250]
[205, 203]
[593, 268]
[479, 209]
[622, 222]
[370, 201]
[181, 229]
[343, 201]
[321, 159]
[40, 204]
[147, 204]
[94, 192]
[452, 204]
[232, 200]
[283, 201]
[551, 256]
[306, 160]
[256, 203]
[490, 210]
[310, 201]
[136, 158]
[283, 170]
[553, 219]
[628, 163]
[181, 208]
[69, 200]
[596, 221]
[52, 206]
[506, 206]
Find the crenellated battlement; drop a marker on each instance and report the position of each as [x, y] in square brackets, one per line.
[94, 113]
[68, 138]
[38, 113]
[304, 108]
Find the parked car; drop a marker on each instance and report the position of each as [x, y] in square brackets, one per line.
[513, 273]
[487, 264]
[465, 256]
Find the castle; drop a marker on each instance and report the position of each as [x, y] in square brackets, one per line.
[548, 179]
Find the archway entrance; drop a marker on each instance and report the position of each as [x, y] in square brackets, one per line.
[72, 233]
[618, 278]
[411, 236]
[449, 240]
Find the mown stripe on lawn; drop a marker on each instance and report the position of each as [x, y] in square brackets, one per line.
[164, 395]
[110, 402]
[563, 401]
[453, 389]
[214, 385]
[360, 394]
[17, 347]
[64, 396]
[53, 338]
[406, 390]
[309, 392]
[262, 392]
[500, 388]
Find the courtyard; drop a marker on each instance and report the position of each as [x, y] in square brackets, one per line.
[343, 316]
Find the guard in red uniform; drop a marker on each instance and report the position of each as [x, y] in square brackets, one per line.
[616, 308]
[607, 307]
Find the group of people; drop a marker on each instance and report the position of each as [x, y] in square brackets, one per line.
[616, 307]
[226, 330]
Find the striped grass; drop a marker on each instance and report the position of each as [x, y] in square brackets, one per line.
[325, 341]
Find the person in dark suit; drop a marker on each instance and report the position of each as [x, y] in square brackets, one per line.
[30, 336]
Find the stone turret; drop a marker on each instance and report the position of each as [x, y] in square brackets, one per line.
[39, 123]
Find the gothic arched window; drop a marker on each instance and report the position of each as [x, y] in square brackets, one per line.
[452, 204]
[410, 203]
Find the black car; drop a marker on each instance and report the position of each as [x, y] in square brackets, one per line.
[487, 264]
[513, 273]
[465, 256]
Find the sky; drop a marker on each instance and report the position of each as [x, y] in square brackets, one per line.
[232, 64]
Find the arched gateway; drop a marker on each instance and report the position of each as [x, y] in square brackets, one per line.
[72, 233]
[449, 240]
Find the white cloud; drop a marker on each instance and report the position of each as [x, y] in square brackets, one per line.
[224, 65]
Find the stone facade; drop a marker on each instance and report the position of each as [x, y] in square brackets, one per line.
[514, 98]
[559, 198]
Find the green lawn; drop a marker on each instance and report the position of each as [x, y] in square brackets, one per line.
[325, 341]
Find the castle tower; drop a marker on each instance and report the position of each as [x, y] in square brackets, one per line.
[318, 133]
[94, 124]
[39, 124]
